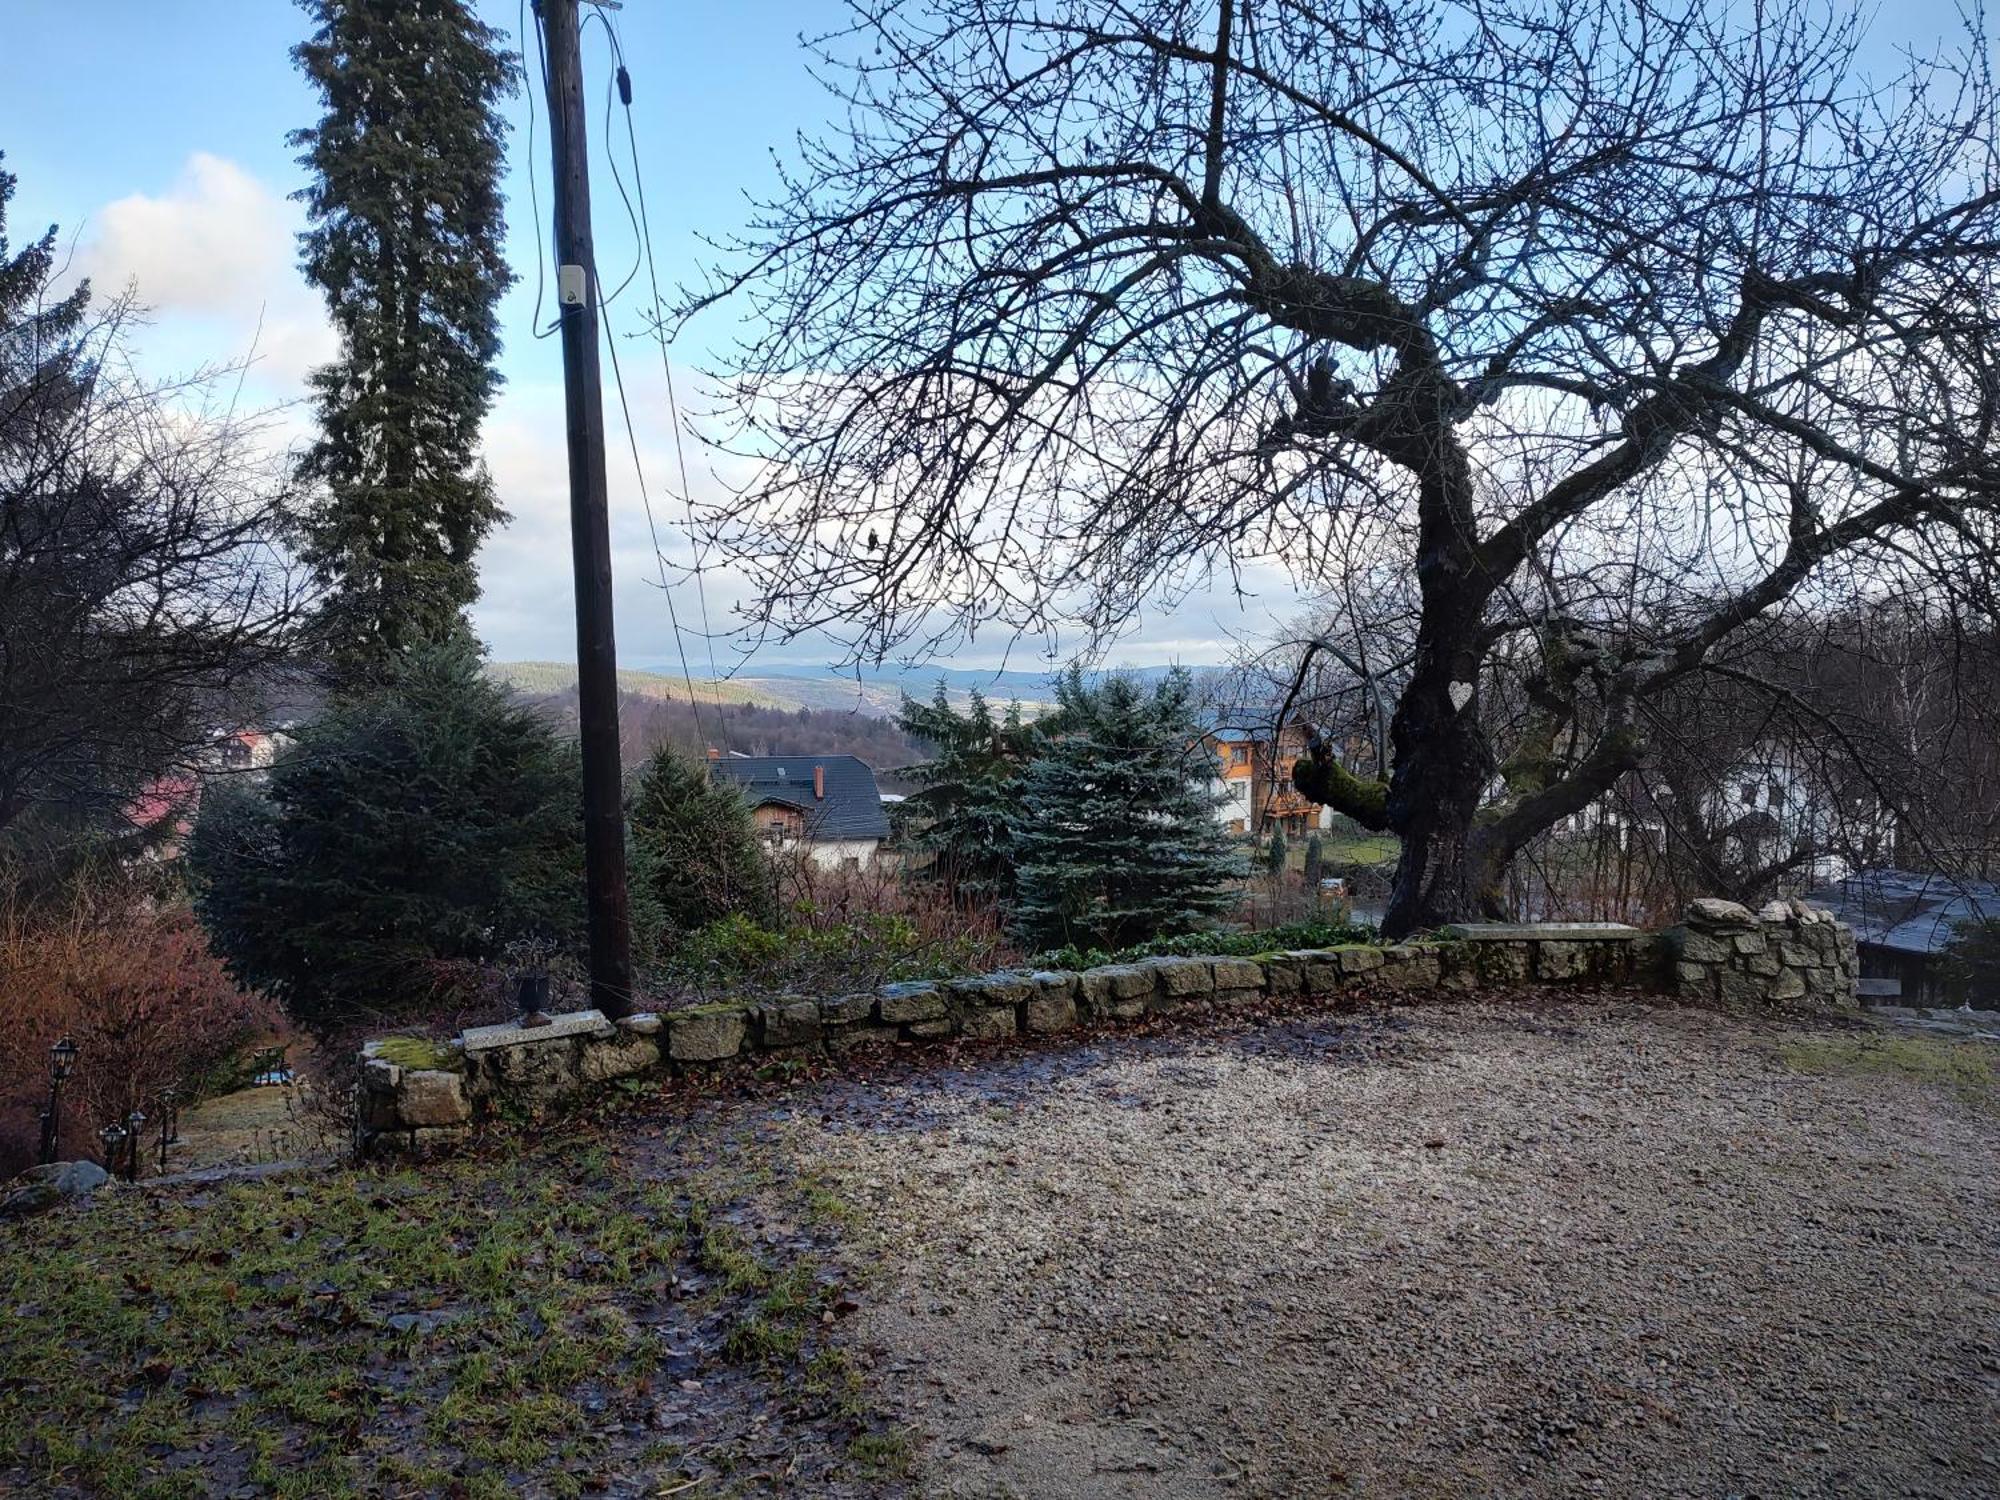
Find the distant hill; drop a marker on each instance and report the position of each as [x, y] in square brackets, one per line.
[876, 692]
[540, 678]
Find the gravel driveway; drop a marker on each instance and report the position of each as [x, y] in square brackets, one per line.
[1545, 1249]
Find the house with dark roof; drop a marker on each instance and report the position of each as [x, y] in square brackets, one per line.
[826, 805]
[1903, 922]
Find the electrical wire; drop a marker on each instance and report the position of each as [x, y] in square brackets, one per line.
[618, 86]
[534, 194]
[624, 82]
[645, 495]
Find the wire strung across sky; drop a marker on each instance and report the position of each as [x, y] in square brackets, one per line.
[641, 224]
[660, 338]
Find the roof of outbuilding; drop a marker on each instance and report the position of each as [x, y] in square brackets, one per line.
[1907, 911]
[851, 809]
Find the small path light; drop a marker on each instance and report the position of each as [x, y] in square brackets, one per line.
[170, 1122]
[62, 1062]
[113, 1137]
[134, 1126]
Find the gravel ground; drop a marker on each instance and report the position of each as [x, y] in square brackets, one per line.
[1545, 1249]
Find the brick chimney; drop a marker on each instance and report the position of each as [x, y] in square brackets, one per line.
[819, 783]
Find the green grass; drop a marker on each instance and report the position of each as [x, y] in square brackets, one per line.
[361, 1332]
[1966, 1068]
[1364, 849]
[1249, 944]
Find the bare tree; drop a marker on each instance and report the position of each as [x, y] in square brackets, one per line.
[1617, 322]
[141, 583]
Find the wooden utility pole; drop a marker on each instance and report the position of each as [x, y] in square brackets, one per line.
[590, 532]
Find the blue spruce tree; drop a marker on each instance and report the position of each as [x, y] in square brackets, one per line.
[1118, 840]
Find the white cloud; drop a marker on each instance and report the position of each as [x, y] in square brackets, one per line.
[213, 259]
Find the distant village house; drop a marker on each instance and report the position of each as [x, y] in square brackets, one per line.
[1904, 922]
[828, 806]
[1253, 778]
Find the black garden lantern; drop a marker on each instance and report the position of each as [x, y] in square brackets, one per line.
[62, 1062]
[113, 1137]
[135, 1124]
[531, 997]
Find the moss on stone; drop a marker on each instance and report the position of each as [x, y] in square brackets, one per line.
[420, 1052]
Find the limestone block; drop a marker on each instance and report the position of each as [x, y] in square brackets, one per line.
[1283, 974]
[984, 990]
[1178, 978]
[1119, 991]
[1357, 958]
[1697, 947]
[705, 1035]
[1789, 985]
[1762, 963]
[1750, 942]
[1319, 970]
[928, 1031]
[385, 1143]
[640, 1023]
[788, 1023]
[531, 1069]
[1049, 1013]
[477, 1039]
[1774, 911]
[1238, 974]
[1503, 963]
[1412, 966]
[620, 1057]
[43, 1187]
[1609, 962]
[858, 1036]
[1694, 979]
[1734, 987]
[1558, 960]
[994, 1021]
[899, 1003]
[431, 1097]
[1054, 982]
[437, 1140]
[1713, 911]
[1458, 964]
[845, 1010]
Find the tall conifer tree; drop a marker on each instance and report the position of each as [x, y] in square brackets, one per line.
[1118, 841]
[406, 245]
[969, 802]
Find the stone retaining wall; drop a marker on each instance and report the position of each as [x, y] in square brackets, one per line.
[1786, 953]
[417, 1095]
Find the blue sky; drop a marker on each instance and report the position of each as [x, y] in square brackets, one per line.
[153, 132]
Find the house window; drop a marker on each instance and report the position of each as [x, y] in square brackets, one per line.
[1749, 794]
[1239, 755]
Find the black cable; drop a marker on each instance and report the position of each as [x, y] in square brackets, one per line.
[645, 495]
[624, 80]
[621, 85]
[534, 195]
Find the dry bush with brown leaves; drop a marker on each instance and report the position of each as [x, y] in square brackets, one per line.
[134, 984]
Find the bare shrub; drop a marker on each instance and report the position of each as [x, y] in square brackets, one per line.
[135, 985]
